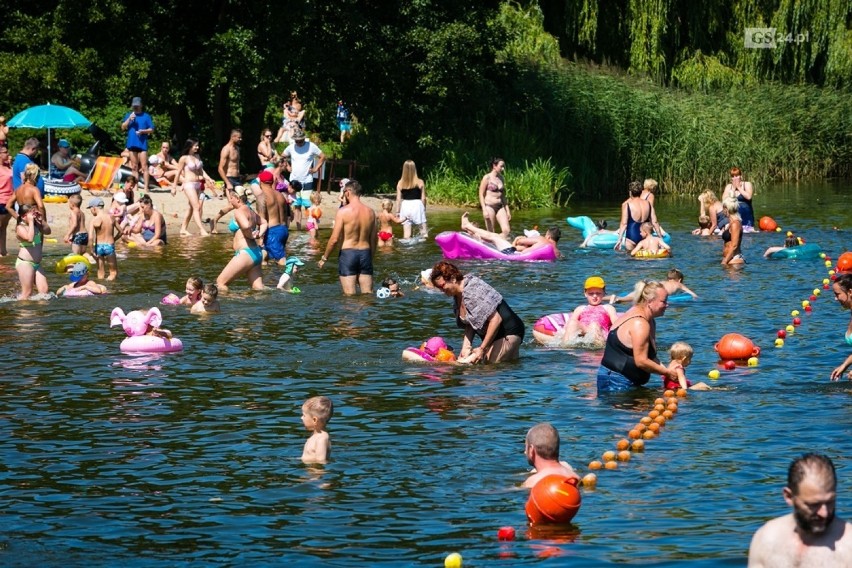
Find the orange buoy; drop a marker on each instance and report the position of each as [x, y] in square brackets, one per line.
[736, 346]
[554, 499]
[844, 263]
[767, 223]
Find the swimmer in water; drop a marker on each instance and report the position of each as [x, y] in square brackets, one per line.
[592, 321]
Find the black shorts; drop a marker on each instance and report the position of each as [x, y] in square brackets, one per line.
[354, 262]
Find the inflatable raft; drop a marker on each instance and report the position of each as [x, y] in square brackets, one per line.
[459, 245]
[807, 250]
[604, 240]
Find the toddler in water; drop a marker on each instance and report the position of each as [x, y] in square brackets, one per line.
[703, 229]
[681, 356]
[590, 324]
[385, 220]
[209, 303]
[316, 412]
[649, 242]
[314, 214]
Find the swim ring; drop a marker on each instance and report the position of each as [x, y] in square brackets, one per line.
[77, 293]
[70, 260]
[151, 344]
[170, 300]
[435, 350]
[646, 254]
[805, 251]
[604, 240]
[55, 199]
[549, 327]
[459, 245]
[59, 187]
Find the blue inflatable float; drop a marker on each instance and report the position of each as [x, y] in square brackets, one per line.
[603, 240]
[805, 251]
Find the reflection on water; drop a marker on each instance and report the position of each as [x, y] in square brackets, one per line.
[193, 458]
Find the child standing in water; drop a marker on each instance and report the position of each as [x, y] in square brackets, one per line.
[316, 412]
[313, 216]
[681, 356]
[385, 220]
[590, 323]
[76, 235]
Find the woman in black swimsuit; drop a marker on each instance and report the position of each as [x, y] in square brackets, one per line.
[480, 310]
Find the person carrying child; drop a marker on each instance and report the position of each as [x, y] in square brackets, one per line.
[76, 235]
[316, 412]
[681, 356]
[209, 302]
[650, 243]
[541, 447]
[592, 321]
[386, 218]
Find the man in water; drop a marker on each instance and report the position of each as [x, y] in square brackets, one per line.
[542, 450]
[271, 207]
[229, 160]
[810, 536]
[357, 223]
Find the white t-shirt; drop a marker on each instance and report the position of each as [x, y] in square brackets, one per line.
[302, 160]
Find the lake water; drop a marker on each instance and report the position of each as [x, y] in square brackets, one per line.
[193, 458]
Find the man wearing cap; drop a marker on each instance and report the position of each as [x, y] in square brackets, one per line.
[26, 156]
[139, 126]
[355, 224]
[550, 238]
[102, 238]
[271, 208]
[62, 167]
[301, 154]
[80, 284]
[229, 160]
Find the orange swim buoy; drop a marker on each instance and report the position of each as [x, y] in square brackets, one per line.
[767, 223]
[844, 263]
[736, 346]
[554, 499]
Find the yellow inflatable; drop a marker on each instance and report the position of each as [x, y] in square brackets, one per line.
[55, 199]
[662, 253]
[66, 262]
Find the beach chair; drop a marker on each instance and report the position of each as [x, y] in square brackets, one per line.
[102, 175]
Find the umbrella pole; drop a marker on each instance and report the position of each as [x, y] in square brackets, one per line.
[48, 152]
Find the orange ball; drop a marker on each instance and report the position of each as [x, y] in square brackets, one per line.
[659, 407]
[611, 465]
[672, 406]
[608, 456]
[634, 434]
[668, 414]
[623, 456]
[669, 393]
[637, 446]
[654, 427]
[649, 434]
[590, 481]
[653, 414]
[641, 427]
[661, 420]
[595, 465]
[554, 499]
[622, 444]
[681, 392]
[645, 420]
[659, 401]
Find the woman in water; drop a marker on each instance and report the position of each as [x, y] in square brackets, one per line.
[630, 355]
[190, 169]
[492, 198]
[743, 192]
[30, 232]
[150, 227]
[248, 228]
[732, 234]
[634, 212]
[842, 289]
[711, 207]
[411, 200]
[480, 310]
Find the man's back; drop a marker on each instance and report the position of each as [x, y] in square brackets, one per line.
[359, 225]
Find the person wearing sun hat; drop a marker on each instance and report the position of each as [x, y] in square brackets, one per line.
[80, 284]
[590, 323]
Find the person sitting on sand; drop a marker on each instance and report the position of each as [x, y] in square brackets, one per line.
[550, 238]
[541, 447]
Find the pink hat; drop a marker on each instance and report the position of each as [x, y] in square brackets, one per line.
[265, 176]
[435, 344]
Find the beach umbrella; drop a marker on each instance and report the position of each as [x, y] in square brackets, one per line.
[49, 116]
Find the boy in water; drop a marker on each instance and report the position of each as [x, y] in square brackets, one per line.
[681, 356]
[650, 243]
[103, 242]
[542, 450]
[316, 412]
[673, 285]
[76, 235]
[209, 302]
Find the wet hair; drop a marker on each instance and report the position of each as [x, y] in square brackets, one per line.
[602, 224]
[681, 350]
[810, 463]
[321, 408]
[791, 241]
[635, 189]
[554, 233]
[211, 290]
[386, 283]
[31, 173]
[650, 185]
[387, 205]
[644, 291]
[844, 281]
[446, 270]
[495, 160]
[354, 187]
[196, 283]
[675, 274]
[187, 146]
[75, 199]
[704, 222]
[735, 171]
[544, 438]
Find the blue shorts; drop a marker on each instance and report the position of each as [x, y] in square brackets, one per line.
[235, 181]
[354, 262]
[276, 242]
[104, 250]
[613, 381]
[345, 127]
[300, 202]
[80, 239]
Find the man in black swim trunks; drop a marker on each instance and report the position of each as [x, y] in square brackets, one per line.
[549, 239]
[356, 223]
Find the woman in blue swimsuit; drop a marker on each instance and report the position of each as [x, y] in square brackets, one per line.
[743, 191]
[634, 212]
[248, 228]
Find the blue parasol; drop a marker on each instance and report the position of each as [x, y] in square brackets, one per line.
[49, 116]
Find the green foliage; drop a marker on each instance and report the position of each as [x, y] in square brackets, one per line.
[526, 40]
[706, 73]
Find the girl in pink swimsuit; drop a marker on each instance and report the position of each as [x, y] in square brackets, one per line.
[590, 324]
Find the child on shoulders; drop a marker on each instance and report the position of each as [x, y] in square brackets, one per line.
[316, 412]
